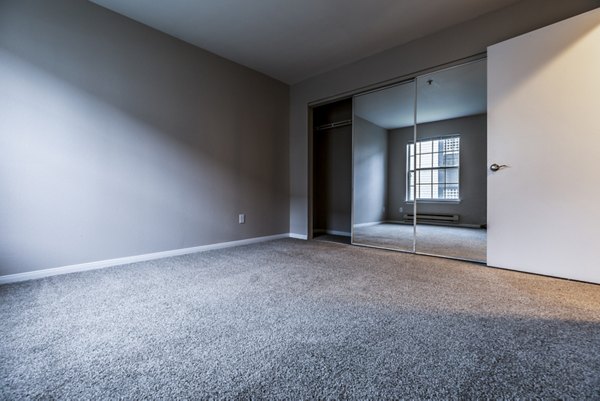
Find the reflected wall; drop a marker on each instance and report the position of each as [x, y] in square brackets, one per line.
[374, 114]
[419, 165]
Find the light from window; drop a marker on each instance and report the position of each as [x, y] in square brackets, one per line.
[436, 171]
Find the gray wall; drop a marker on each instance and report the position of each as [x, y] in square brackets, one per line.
[460, 41]
[118, 140]
[370, 171]
[473, 169]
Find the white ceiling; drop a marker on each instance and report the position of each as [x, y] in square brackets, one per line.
[292, 40]
[455, 92]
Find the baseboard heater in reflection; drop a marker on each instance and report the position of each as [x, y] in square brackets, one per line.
[438, 217]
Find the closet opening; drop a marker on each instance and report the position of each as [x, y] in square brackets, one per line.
[332, 171]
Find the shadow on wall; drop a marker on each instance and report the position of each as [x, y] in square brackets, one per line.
[118, 140]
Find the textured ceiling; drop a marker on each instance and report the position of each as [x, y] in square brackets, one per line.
[292, 40]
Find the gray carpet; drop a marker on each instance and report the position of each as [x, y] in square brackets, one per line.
[456, 242]
[340, 239]
[297, 320]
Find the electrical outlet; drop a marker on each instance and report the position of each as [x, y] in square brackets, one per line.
[400, 210]
[242, 218]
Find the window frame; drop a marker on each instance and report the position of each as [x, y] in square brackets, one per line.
[415, 170]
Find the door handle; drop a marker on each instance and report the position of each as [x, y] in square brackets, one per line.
[495, 167]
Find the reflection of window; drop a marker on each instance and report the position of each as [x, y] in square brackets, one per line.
[435, 164]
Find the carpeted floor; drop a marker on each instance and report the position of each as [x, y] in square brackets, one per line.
[292, 319]
[456, 242]
[340, 239]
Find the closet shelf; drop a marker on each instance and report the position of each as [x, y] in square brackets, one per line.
[336, 124]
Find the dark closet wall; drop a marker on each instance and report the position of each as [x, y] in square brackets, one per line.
[332, 169]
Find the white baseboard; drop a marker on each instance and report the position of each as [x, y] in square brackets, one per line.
[440, 223]
[299, 236]
[369, 224]
[13, 278]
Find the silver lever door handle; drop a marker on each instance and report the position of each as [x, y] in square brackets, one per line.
[496, 167]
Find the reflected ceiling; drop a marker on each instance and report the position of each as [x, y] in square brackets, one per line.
[452, 93]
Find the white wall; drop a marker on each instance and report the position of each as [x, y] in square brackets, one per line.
[117, 140]
[544, 100]
[458, 42]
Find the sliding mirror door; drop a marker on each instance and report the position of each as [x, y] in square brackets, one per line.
[448, 163]
[378, 217]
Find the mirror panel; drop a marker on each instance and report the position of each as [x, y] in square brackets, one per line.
[380, 218]
[448, 163]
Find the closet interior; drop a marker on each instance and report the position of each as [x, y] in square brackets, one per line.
[332, 171]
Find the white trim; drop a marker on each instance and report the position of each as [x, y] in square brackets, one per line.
[13, 278]
[405, 222]
[437, 223]
[369, 224]
[299, 236]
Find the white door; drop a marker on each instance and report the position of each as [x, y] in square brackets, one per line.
[544, 124]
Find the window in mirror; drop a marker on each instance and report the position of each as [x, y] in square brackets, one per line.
[435, 163]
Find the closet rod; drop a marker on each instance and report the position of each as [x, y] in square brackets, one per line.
[333, 125]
